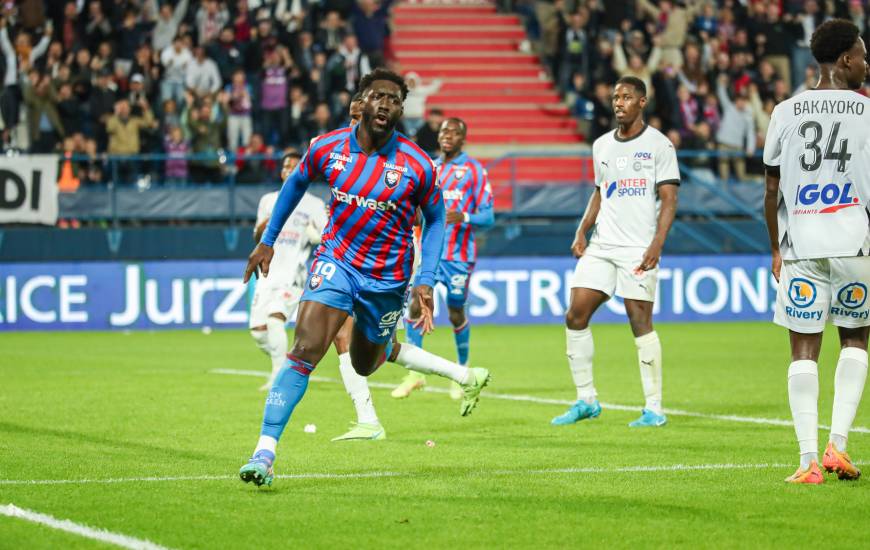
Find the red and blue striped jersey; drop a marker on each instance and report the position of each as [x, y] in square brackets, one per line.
[374, 200]
[465, 187]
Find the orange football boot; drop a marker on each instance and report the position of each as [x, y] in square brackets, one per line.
[811, 475]
[835, 461]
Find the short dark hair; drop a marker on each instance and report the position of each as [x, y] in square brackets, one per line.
[356, 97]
[633, 81]
[832, 39]
[458, 121]
[436, 111]
[383, 74]
[291, 155]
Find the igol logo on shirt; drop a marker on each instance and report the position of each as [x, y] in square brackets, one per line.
[815, 199]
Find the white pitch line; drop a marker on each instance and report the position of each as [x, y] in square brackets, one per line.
[548, 401]
[189, 478]
[368, 475]
[12, 511]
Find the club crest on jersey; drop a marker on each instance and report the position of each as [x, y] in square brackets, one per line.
[621, 163]
[391, 178]
[315, 281]
[459, 173]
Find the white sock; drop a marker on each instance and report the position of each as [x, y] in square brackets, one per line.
[803, 397]
[848, 386]
[358, 389]
[267, 443]
[649, 356]
[413, 358]
[277, 337]
[580, 352]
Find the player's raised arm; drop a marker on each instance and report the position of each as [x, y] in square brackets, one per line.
[291, 193]
[434, 218]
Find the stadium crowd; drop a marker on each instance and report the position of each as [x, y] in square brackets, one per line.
[132, 77]
[715, 69]
[252, 77]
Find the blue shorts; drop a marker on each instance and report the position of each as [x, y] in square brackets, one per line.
[455, 276]
[376, 305]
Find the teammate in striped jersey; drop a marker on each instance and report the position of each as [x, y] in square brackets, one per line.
[468, 198]
[378, 179]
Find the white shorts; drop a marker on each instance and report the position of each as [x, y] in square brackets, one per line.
[273, 297]
[811, 291]
[610, 269]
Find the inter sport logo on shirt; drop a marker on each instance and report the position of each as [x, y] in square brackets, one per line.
[817, 199]
[628, 187]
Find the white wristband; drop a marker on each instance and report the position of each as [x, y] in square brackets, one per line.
[466, 217]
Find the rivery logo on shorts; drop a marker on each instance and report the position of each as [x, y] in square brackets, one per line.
[364, 202]
[452, 195]
[824, 199]
[628, 187]
[802, 293]
[852, 295]
[390, 319]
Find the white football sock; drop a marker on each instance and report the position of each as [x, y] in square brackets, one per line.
[277, 338]
[649, 356]
[581, 349]
[358, 389]
[848, 386]
[413, 358]
[267, 443]
[803, 397]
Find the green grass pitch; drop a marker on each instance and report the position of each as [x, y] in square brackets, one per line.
[97, 406]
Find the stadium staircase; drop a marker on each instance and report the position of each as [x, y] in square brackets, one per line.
[504, 95]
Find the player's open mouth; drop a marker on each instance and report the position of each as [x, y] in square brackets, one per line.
[381, 118]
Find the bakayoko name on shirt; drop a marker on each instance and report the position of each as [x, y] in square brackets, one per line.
[828, 107]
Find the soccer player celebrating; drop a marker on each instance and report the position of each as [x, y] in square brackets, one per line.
[378, 179]
[817, 190]
[468, 198]
[276, 297]
[631, 211]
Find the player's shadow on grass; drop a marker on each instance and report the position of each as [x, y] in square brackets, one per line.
[99, 440]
